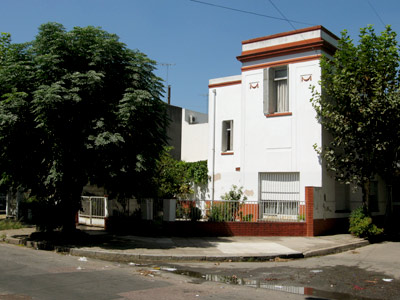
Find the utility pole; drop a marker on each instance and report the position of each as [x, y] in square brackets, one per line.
[169, 87]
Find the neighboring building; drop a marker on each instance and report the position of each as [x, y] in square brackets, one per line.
[188, 134]
[263, 129]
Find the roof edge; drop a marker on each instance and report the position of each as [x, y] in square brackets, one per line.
[282, 34]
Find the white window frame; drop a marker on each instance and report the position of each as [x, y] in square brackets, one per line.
[279, 194]
[272, 104]
[227, 136]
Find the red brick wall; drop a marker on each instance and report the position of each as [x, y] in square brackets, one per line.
[236, 228]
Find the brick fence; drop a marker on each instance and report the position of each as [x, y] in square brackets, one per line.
[310, 227]
[187, 228]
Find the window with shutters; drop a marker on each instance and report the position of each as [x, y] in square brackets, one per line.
[276, 91]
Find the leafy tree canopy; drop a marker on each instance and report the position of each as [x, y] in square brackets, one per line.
[359, 106]
[175, 178]
[76, 107]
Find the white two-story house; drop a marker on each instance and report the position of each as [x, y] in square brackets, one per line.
[263, 128]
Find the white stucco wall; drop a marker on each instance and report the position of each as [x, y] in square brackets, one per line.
[194, 136]
[283, 143]
[261, 144]
[227, 103]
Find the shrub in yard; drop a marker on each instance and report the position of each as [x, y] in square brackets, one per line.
[195, 214]
[247, 218]
[216, 213]
[10, 224]
[234, 194]
[229, 209]
[301, 217]
[361, 224]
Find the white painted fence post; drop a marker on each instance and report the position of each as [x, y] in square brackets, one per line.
[169, 209]
[147, 209]
[90, 209]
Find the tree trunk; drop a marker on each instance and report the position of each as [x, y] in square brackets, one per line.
[69, 217]
[71, 207]
[365, 195]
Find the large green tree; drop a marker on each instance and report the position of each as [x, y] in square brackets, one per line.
[359, 107]
[176, 179]
[77, 107]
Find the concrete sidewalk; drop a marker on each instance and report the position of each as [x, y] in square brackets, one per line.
[134, 248]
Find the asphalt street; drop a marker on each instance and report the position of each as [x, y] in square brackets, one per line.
[370, 272]
[31, 274]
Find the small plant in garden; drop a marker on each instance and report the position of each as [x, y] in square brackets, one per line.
[301, 217]
[361, 224]
[217, 213]
[10, 224]
[235, 194]
[246, 218]
[228, 210]
[195, 213]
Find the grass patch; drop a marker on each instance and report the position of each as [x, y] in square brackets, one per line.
[10, 224]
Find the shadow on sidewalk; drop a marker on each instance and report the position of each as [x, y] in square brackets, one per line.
[87, 237]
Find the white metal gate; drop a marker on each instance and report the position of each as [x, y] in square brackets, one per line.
[279, 196]
[94, 211]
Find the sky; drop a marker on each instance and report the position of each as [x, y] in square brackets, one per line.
[192, 41]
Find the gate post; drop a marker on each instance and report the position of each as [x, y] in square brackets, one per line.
[147, 209]
[309, 195]
[90, 209]
[169, 210]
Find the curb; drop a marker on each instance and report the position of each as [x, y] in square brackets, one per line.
[42, 245]
[335, 249]
[129, 257]
[15, 241]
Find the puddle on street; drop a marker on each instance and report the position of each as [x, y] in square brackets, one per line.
[257, 283]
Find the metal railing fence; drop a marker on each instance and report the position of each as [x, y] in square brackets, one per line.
[282, 210]
[240, 211]
[93, 207]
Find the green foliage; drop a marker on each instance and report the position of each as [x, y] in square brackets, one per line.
[228, 210]
[224, 211]
[197, 171]
[301, 217]
[5, 40]
[235, 194]
[218, 212]
[359, 107]
[78, 107]
[247, 218]
[188, 210]
[195, 214]
[10, 224]
[361, 224]
[176, 178]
